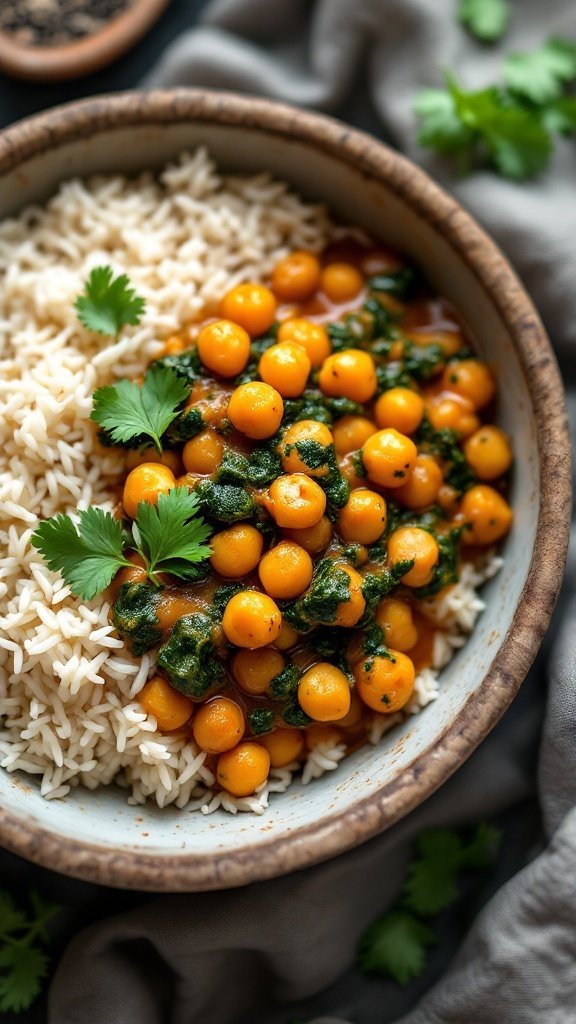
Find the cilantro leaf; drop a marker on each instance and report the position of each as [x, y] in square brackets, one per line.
[440, 127]
[108, 303]
[23, 963]
[487, 20]
[127, 411]
[517, 142]
[396, 945]
[431, 881]
[88, 555]
[170, 535]
[560, 116]
[539, 76]
[22, 968]
[11, 918]
[482, 849]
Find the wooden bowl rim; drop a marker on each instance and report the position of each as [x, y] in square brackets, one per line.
[311, 844]
[88, 54]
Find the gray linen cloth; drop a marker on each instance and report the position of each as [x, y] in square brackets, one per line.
[254, 954]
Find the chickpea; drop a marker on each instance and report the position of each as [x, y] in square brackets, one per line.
[452, 412]
[286, 570]
[322, 735]
[423, 486]
[218, 725]
[145, 483]
[203, 453]
[324, 693]
[312, 337]
[389, 458]
[296, 501]
[170, 708]
[471, 379]
[363, 518]
[236, 551]
[354, 717]
[224, 348]
[173, 346]
[351, 432]
[487, 516]
[287, 638]
[256, 409]
[351, 611]
[411, 543]
[400, 408]
[242, 770]
[385, 685]
[285, 367]
[489, 453]
[313, 538]
[251, 619]
[304, 430]
[449, 341]
[448, 498]
[171, 459]
[255, 670]
[284, 746]
[296, 277]
[349, 467]
[396, 619]
[341, 282]
[251, 305]
[349, 374]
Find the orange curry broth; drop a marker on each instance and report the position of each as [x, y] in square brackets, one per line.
[423, 320]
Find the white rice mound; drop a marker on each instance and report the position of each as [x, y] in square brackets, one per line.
[69, 711]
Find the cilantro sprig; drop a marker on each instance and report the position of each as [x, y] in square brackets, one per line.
[128, 412]
[510, 126]
[170, 537]
[108, 302]
[23, 961]
[395, 945]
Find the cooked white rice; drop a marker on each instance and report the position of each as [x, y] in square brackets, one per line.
[68, 687]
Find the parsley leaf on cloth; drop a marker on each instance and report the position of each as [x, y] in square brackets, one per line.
[540, 76]
[108, 302]
[440, 126]
[89, 555]
[487, 20]
[396, 945]
[431, 880]
[170, 537]
[127, 411]
[23, 963]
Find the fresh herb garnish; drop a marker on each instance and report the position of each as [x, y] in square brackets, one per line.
[23, 962]
[487, 20]
[127, 411]
[169, 536]
[509, 126]
[108, 302]
[395, 945]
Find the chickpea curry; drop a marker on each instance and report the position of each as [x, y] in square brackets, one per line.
[334, 427]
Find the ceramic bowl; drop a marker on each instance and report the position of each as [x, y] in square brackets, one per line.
[97, 835]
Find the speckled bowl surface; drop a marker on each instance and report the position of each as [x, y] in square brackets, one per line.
[97, 835]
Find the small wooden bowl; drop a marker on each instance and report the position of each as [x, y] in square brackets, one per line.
[72, 60]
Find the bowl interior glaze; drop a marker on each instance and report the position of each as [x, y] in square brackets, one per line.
[97, 834]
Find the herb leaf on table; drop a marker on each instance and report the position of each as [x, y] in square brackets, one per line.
[540, 76]
[23, 962]
[487, 20]
[395, 944]
[108, 302]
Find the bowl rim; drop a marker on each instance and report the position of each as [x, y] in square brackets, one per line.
[310, 844]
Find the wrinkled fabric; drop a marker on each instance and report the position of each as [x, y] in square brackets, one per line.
[261, 953]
